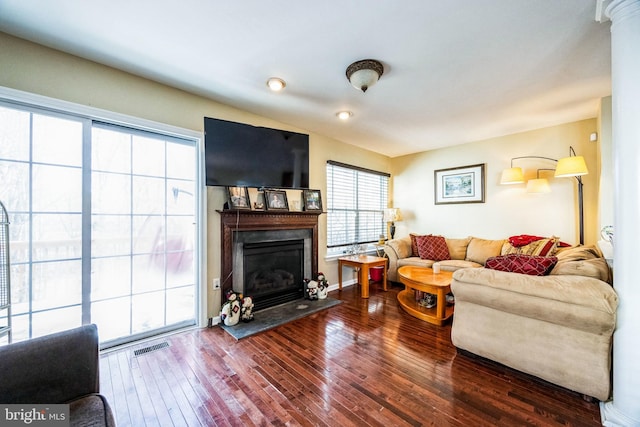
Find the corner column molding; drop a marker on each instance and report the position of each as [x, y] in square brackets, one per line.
[623, 409]
[239, 220]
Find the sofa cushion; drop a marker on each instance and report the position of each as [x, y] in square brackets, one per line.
[582, 261]
[415, 262]
[523, 264]
[480, 249]
[447, 265]
[458, 247]
[456, 264]
[540, 247]
[432, 247]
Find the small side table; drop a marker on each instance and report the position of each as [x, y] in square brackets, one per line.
[363, 263]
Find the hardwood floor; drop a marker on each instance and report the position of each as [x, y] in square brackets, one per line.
[363, 362]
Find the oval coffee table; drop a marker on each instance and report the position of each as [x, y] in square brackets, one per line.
[425, 280]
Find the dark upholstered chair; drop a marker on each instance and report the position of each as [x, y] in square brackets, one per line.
[57, 368]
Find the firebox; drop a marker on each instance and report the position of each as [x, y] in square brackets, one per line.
[273, 272]
[270, 266]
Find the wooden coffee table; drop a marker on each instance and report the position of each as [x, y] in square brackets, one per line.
[363, 263]
[425, 280]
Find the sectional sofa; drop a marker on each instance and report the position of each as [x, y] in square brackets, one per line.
[555, 323]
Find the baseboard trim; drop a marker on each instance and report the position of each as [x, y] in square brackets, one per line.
[610, 416]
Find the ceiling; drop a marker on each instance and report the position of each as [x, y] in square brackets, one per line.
[454, 71]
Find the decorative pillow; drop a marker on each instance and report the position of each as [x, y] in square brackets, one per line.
[523, 264]
[480, 249]
[458, 247]
[540, 247]
[414, 244]
[523, 240]
[432, 247]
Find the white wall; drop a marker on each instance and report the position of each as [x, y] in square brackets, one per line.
[508, 209]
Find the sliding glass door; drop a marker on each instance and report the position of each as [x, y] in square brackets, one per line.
[103, 225]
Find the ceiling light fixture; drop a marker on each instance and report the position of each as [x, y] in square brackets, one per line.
[364, 74]
[344, 115]
[276, 84]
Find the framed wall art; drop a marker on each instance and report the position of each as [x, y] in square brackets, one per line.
[238, 198]
[312, 200]
[276, 200]
[463, 184]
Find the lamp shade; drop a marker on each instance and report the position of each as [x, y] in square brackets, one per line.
[391, 215]
[538, 185]
[512, 176]
[571, 166]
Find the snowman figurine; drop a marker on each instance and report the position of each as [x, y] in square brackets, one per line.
[323, 286]
[230, 313]
[247, 309]
[312, 290]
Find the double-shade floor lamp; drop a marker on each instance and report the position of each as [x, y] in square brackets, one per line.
[567, 167]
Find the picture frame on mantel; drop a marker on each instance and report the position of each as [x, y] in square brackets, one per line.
[464, 184]
[276, 200]
[239, 198]
[312, 200]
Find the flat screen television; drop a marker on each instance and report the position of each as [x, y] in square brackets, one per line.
[238, 154]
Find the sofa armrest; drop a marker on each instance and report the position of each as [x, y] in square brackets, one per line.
[578, 302]
[394, 250]
[398, 248]
[56, 368]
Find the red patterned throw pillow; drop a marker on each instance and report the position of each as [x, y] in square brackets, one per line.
[523, 264]
[432, 247]
[414, 244]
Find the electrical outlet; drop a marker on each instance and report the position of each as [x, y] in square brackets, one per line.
[216, 283]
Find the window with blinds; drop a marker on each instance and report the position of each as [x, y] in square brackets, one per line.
[356, 198]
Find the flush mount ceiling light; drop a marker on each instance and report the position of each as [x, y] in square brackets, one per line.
[276, 84]
[344, 115]
[364, 74]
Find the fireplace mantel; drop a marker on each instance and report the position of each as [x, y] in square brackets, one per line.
[238, 220]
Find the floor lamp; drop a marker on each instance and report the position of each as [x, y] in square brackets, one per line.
[574, 166]
[567, 167]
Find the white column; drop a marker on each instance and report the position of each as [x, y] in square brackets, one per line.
[624, 409]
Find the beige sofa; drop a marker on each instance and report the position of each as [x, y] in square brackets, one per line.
[558, 327]
[464, 253]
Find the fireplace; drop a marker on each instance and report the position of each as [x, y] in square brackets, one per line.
[268, 255]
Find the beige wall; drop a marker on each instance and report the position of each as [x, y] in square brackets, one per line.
[508, 209]
[36, 69]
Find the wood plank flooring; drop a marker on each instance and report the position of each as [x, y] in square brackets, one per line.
[361, 363]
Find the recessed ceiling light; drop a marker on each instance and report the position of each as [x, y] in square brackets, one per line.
[344, 115]
[276, 84]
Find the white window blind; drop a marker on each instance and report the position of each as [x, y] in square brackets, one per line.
[356, 198]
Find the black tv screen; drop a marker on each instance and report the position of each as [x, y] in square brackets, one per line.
[238, 154]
